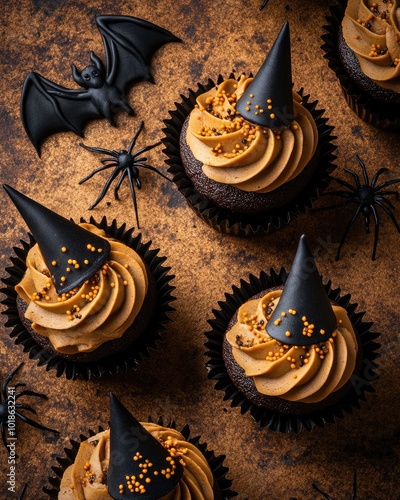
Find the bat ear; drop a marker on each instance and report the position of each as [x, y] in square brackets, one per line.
[77, 76]
[97, 62]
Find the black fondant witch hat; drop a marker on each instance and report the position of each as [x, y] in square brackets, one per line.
[268, 100]
[132, 448]
[72, 254]
[304, 314]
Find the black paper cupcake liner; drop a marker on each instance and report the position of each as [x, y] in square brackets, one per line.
[362, 383]
[215, 462]
[376, 113]
[119, 362]
[241, 224]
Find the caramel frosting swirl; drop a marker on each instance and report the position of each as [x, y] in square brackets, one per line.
[86, 479]
[101, 309]
[236, 152]
[372, 31]
[294, 373]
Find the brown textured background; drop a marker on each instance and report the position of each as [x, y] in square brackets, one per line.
[218, 37]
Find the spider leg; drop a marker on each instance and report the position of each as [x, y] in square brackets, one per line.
[105, 188]
[3, 434]
[133, 141]
[30, 393]
[376, 218]
[8, 380]
[123, 175]
[99, 150]
[22, 492]
[345, 183]
[138, 160]
[133, 197]
[346, 231]
[394, 220]
[364, 171]
[97, 170]
[105, 160]
[149, 167]
[31, 422]
[353, 496]
[26, 407]
[380, 172]
[146, 148]
[385, 201]
[325, 495]
[355, 177]
[387, 183]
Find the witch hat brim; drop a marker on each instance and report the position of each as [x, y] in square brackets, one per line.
[304, 314]
[72, 254]
[131, 447]
[268, 100]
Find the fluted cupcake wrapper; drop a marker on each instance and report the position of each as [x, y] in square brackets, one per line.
[214, 461]
[241, 224]
[378, 114]
[119, 362]
[362, 382]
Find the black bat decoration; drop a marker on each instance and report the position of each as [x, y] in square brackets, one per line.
[129, 42]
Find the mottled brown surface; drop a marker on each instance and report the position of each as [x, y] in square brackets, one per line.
[219, 37]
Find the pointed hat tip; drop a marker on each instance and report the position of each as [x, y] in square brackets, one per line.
[60, 240]
[268, 100]
[304, 314]
[127, 437]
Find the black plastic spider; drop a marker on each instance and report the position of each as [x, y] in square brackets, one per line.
[353, 496]
[10, 401]
[22, 492]
[366, 196]
[125, 163]
[264, 4]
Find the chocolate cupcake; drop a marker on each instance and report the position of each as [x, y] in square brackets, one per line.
[290, 350]
[84, 299]
[361, 46]
[135, 459]
[249, 154]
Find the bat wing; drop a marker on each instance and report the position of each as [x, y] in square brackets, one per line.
[130, 44]
[48, 108]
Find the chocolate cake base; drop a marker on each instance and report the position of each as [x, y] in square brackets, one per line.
[235, 200]
[274, 403]
[108, 348]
